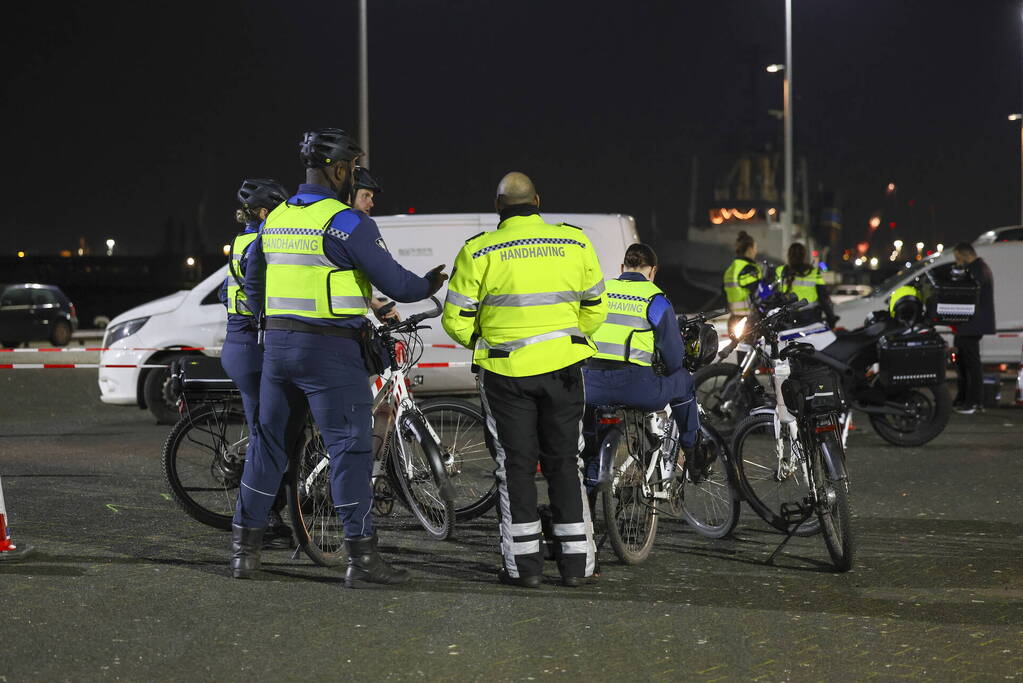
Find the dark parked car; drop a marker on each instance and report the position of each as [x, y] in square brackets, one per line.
[31, 312]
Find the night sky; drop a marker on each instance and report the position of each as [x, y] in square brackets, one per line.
[118, 116]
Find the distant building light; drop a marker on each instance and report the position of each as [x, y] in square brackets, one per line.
[898, 244]
[110, 247]
[775, 68]
[940, 247]
[873, 263]
[21, 254]
[875, 222]
[189, 261]
[772, 211]
[81, 252]
[919, 246]
[227, 249]
[891, 188]
[65, 253]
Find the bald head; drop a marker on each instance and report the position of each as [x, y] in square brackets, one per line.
[516, 188]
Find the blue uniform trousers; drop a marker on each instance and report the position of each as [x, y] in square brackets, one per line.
[639, 387]
[242, 358]
[327, 373]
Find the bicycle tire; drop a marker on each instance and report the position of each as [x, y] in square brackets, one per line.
[426, 489]
[461, 428]
[203, 478]
[836, 516]
[710, 496]
[757, 475]
[314, 519]
[630, 520]
[725, 418]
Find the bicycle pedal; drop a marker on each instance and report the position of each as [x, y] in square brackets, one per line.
[794, 512]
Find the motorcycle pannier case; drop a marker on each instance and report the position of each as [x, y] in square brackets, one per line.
[948, 300]
[912, 360]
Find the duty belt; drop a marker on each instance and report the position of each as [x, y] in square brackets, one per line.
[299, 326]
[608, 364]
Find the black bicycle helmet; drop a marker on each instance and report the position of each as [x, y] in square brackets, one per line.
[321, 148]
[261, 193]
[364, 181]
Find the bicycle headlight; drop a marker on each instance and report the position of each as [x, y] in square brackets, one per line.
[122, 330]
[738, 328]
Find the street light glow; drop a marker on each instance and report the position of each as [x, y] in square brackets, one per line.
[21, 254]
[1015, 117]
[940, 247]
[775, 68]
[919, 246]
[898, 244]
[227, 249]
[189, 261]
[110, 246]
[875, 221]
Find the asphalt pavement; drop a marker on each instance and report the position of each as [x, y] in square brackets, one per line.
[123, 586]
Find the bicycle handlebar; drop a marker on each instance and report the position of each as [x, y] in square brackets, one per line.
[412, 321]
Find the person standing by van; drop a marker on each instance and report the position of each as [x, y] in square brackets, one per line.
[241, 355]
[311, 271]
[525, 297]
[741, 278]
[800, 277]
[366, 190]
[969, 372]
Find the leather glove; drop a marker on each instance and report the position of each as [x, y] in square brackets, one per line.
[437, 278]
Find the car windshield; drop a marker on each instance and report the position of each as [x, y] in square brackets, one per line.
[890, 281]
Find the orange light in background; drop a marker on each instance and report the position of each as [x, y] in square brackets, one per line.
[862, 248]
[744, 216]
[875, 222]
[21, 254]
[65, 253]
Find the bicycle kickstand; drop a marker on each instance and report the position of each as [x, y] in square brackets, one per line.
[791, 532]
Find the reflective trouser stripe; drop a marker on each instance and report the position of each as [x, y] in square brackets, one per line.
[290, 303]
[526, 528]
[507, 533]
[526, 341]
[618, 350]
[577, 547]
[274, 258]
[632, 321]
[524, 548]
[573, 529]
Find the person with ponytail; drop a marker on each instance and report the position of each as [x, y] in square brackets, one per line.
[741, 278]
[800, 277]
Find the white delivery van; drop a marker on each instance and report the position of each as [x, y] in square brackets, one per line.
[1004, 259]
[196, 318]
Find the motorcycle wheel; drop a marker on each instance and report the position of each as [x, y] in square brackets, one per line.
[932, 405]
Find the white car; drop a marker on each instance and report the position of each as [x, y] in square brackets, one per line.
[178, 325]
[1004, 259]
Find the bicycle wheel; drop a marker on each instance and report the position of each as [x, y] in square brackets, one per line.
[314, 519]
[710, 498]
[461, 428]
[630, 516]
[833, 507]
[727, 400]
[418, 465]
[766, 485]
[203, 459]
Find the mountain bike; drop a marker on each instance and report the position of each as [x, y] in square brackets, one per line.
[440, 477]
[790, 457]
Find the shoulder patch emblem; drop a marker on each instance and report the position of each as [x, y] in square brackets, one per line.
[383, 245]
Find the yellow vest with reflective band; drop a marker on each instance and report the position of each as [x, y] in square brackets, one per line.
[903, 291]
[524, 297]
[804, 285]
[735, 285]
[300, 279]
[235, 277]
[626, 334]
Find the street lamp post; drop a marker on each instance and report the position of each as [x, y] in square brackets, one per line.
[1019, 117]
[787, 86]
[363, 84]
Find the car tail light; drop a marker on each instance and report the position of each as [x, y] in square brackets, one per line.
[74, 311]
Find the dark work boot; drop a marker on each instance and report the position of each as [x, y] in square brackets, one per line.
[521, 581]
[246, 543]
[278, 534]
[366, 566]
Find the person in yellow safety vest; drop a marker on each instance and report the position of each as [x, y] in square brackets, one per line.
[525, 298]
[640, 322]
[242, 355]
[802, 278]
[741, 278]
[311, 271]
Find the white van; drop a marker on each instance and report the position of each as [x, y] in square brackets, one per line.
[1004, 259]
[170, 326]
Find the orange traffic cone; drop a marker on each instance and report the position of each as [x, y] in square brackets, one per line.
[9, 551]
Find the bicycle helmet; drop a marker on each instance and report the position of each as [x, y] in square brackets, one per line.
[364, 181]
[321, 148]
[261, 193]
[701, 340]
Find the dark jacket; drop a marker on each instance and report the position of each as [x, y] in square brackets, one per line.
[983, 321]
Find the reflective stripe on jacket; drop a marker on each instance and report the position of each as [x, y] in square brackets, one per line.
[804, 283]
[739, 276]
[235, 276]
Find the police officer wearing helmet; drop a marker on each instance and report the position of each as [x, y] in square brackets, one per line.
[640, 323]
[524, 297]
[311, 272]
[800, 277]
[366, 190]
[741, 278]
[241, 355]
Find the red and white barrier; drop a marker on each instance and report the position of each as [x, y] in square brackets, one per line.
[94, 366]
[83, 349]
[8, 551]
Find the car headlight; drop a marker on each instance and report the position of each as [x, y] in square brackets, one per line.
[122, 330]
